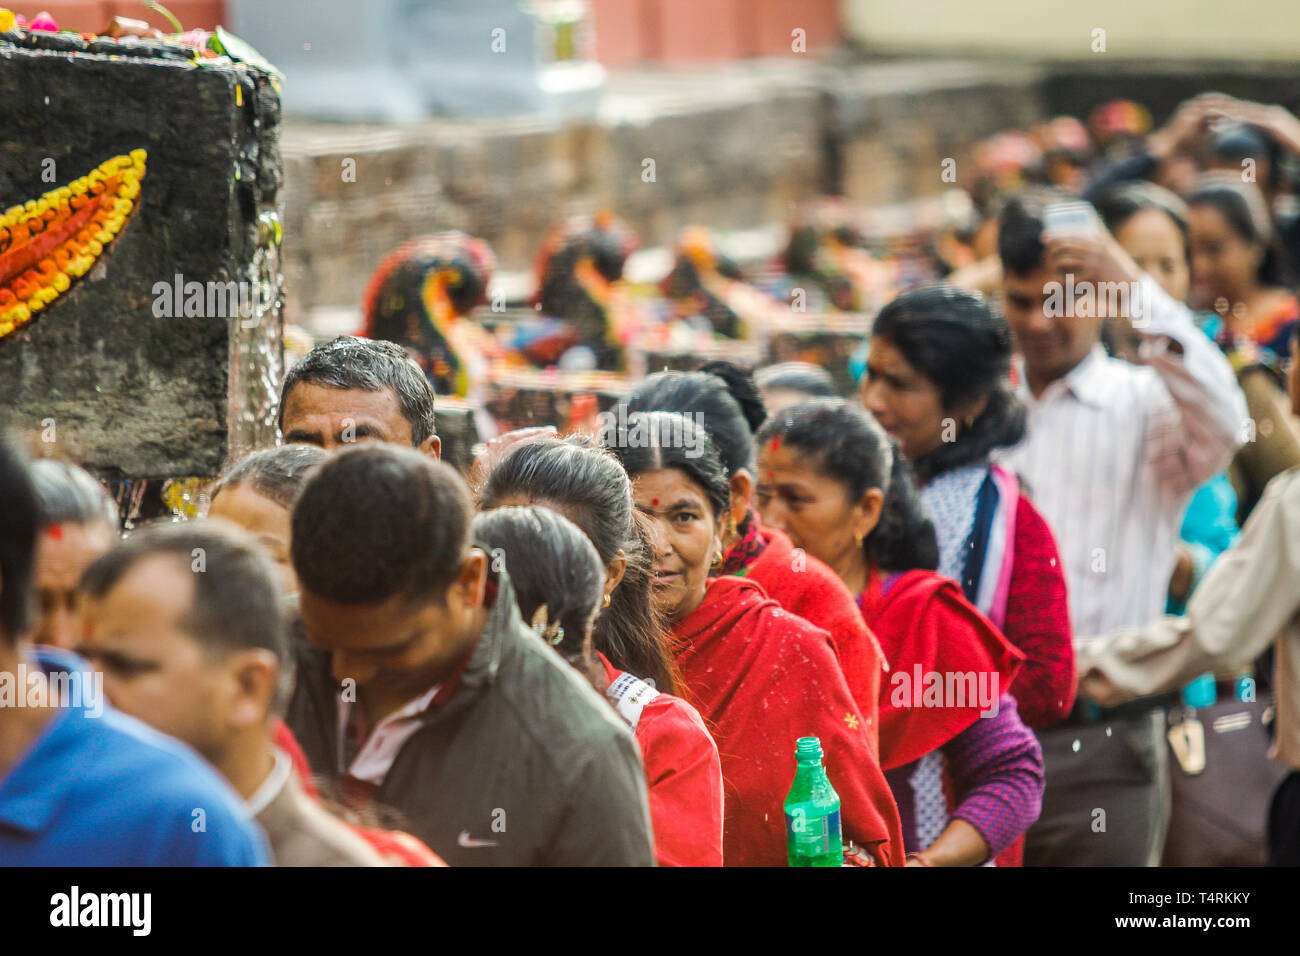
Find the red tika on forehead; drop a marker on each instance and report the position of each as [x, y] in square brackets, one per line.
[55, 531]
[654, 502]
[776, 443]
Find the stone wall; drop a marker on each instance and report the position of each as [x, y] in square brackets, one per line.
[733, 156]
[733, 147]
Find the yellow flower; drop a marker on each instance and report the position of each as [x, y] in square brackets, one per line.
[6, 23]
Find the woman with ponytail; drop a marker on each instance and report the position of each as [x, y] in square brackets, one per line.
[590, 598]
[937, 383]
[557, 575]
[832, 480]
[761, 676]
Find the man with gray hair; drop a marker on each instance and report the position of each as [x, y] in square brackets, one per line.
[354, 390]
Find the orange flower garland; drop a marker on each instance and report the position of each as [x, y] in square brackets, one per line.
[49, 242]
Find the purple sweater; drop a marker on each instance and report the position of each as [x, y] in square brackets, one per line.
[994, 770]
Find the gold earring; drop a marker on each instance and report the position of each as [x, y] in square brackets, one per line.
[858, 538]
[717, 558]
[605, 602]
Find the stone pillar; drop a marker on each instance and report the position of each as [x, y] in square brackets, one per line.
[159, 352]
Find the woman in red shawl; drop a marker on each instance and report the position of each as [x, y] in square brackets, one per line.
[966, 787]
[760, 676]
[725, 399]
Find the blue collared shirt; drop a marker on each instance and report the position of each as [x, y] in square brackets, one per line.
[99, 788]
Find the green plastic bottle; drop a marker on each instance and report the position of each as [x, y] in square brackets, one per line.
[812, 811]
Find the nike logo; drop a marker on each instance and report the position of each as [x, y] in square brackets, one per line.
[470, 843]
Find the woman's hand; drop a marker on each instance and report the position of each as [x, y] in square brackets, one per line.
[960, 844]
[1277, 121]
[1184, 127]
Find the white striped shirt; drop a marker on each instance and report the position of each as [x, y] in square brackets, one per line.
[1113, 453]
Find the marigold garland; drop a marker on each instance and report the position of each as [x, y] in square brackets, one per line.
[48, 243]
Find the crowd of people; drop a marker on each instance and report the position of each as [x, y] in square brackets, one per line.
[602, 649]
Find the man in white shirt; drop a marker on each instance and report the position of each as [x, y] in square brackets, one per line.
[1112, 455]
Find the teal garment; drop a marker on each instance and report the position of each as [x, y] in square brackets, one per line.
[1209, 528]
[1210, 519]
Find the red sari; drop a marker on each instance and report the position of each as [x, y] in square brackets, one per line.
[925, 622]
[924, 626]
[682, 773]
[762, 678]
[805, 586]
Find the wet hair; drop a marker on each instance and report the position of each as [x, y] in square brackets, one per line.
[276, 474]
[650, 443]
[20, 519]
[368, 365]
[844, 443]
[550, 562]
[593, 490]
[71, 495]
[1243, 209]
[1020, 228]
[236, 603]
[811, 380]
[1121, 203]
[701, 394]
[377, 521]
[962, 344]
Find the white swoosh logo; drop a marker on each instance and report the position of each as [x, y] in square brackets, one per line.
[470, 843]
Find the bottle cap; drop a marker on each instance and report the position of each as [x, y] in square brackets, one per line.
[808, 748]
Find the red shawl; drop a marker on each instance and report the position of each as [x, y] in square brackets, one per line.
[684, 779]
[804, 586]
[762, 678]
[926, 626]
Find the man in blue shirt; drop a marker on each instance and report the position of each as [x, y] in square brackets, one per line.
[82, 784]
